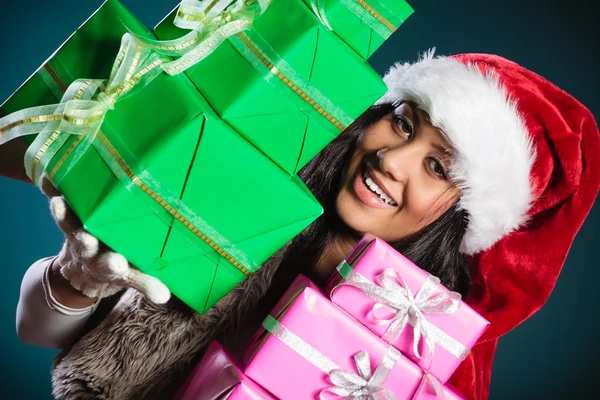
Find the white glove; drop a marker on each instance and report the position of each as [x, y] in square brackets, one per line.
[89, 265]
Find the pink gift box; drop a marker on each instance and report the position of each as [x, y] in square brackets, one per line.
[306, 312]
[218, 376]
[370, 257]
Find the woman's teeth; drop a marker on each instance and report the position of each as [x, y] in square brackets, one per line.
[376, 189]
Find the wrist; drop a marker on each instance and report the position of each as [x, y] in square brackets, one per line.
[62, 290]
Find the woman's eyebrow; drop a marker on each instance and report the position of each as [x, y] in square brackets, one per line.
[415, 117]
[442, 148]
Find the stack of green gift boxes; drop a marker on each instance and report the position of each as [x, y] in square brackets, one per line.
[191, 176]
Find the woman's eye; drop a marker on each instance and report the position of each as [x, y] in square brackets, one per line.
[403, 126]
[437, 167]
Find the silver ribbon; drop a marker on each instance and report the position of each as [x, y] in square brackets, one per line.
[390, 292]
[363, 10]
[364, 385]
[352, 386]
[211, 23]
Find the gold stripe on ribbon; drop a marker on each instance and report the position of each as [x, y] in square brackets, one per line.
[177, 47]
[376, 15]
[82, 89]
[119, 59]
[56, 133]
[192, 18]
[210, 6]
[135, 78]
[32, 120]
[40, 153]
[55, 77]
[64, 157]
[139, 183]
[134, 64]
[275, 71]
[174, 213]
[84, 121]
[195, 16]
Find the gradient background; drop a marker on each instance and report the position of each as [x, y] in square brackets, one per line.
[553, 355]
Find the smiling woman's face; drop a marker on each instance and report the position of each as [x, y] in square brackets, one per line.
[396, 182]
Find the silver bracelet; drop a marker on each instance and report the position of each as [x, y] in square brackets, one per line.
[54, 304]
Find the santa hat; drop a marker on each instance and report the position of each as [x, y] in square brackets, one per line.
[527, 158]
[493, 151]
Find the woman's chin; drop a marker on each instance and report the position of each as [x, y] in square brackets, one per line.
[357, 216]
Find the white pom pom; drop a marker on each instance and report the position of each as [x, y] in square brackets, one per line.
[113, 264]
[156, 291]
[89, 244]
[58, 208]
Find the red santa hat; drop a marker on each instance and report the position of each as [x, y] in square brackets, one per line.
[527, 158]
[493, 151]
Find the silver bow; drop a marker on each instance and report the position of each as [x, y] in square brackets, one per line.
[82, 109]
[408, 309]
[211, 23]
[364, 385]
[390, 292]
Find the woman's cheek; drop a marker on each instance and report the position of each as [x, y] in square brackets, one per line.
[352, 167]
[431, 204]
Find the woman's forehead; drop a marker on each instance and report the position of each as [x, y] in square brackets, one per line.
[438, 138]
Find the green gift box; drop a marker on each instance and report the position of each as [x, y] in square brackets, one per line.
[288, 85]
[363, 24]
[166, 182]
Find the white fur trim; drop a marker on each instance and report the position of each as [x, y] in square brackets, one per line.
[494, 153]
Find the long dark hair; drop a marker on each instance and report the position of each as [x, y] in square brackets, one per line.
[434, 248]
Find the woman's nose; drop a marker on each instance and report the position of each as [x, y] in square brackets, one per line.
[397, 163]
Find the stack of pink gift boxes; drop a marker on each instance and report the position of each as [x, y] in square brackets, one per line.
[388, 330]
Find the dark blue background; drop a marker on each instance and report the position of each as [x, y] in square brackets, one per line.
[552, 356]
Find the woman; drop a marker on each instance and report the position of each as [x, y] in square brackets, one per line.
[477, 169]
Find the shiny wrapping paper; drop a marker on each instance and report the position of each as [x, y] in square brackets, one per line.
[306, 312]
[218, 376]
[363, 24]
[289, 85]
[370, 257]
[244, 207]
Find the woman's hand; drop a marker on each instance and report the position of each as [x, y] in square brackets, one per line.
[88, 265]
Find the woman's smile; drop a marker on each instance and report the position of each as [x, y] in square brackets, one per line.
[371, 191]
